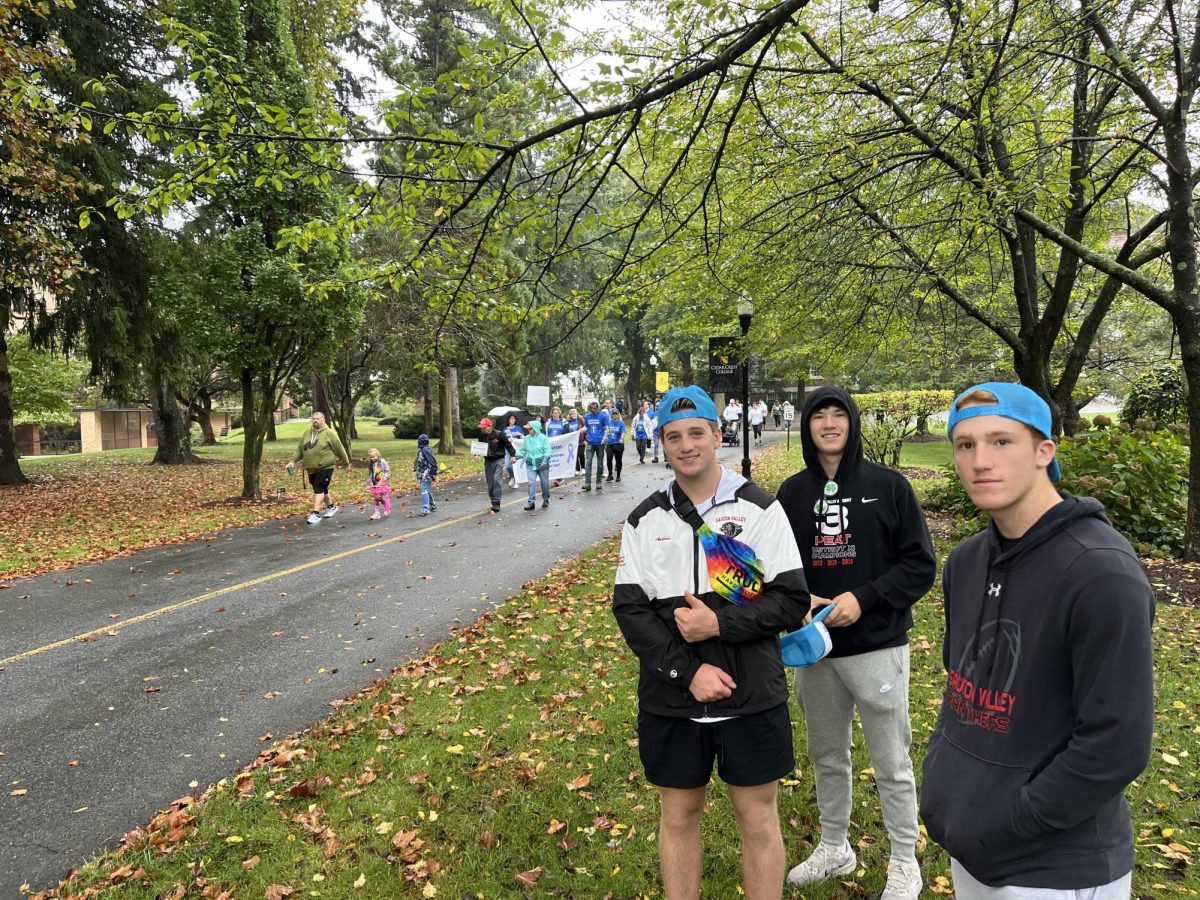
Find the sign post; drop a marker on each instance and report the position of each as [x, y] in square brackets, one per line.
[789, 413]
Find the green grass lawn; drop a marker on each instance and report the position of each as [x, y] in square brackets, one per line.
[504, 764]
[926, 455]
[400, 453]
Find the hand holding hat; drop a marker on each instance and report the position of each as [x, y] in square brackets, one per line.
[808, 645]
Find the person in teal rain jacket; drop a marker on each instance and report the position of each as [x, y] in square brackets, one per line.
[535, 450]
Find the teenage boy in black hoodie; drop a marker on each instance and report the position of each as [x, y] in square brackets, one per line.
[1049, 704]
[867, 551]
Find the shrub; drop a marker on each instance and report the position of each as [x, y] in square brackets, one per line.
[1140, 477]
[1101, 422]
[370, 408]
[388, 420]
[888, 417]
[1157, 394]
[949, 496]
[235, 422]
[411, 426]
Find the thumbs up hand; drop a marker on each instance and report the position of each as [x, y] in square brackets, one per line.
[696, 622]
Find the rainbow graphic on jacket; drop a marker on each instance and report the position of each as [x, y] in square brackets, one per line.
[734, 569]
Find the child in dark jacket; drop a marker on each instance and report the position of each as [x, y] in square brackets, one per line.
[426, 467]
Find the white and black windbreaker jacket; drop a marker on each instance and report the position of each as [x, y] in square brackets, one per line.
[661, 557]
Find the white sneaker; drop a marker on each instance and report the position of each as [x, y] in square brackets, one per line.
[313, 519]
[330, 512]
[904, 881]
[375, 516]
[823, 863]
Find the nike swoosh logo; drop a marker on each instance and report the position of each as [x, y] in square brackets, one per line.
[870, 500]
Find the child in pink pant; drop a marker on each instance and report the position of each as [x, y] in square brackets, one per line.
[379, 479]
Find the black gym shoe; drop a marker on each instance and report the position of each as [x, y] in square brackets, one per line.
[609, 478]
[545, 503]
[618, 478]
[586, 487]
[528, 506]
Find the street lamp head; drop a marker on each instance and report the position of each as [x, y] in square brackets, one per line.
[745, 307]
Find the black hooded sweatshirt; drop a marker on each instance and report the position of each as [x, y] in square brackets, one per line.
[868, 536]
[1049, 704]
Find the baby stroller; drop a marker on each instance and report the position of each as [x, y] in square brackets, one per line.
[731, 435]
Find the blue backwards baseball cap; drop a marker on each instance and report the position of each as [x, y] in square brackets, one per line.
[701, 406]
[1013, 401]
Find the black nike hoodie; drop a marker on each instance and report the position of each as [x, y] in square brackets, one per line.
[867, 536]
[1048, 710]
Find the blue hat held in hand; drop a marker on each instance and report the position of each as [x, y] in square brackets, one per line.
[809, 644]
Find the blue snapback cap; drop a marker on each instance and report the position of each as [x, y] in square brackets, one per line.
[1013, 401]
[704, 406]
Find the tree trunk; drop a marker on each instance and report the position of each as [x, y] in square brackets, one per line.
[1189, 347]
[446, 414]
[255, 431]
[345, 423]
[320, 401]
[173, 426]
[10, 468]
[427, 399]
[270, 429]
[202, 409]
[455, 408]
[685, 362]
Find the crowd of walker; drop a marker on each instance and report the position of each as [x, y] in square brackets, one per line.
[1047, 713]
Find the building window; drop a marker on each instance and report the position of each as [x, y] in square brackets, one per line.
[121, 429]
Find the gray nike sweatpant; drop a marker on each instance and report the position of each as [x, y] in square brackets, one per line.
[877, 684]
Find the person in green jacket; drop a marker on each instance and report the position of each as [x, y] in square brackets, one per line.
[319, 451]
[535, 450]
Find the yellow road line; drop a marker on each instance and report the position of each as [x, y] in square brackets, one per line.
[229, 589]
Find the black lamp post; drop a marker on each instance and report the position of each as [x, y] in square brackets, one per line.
[745, 311]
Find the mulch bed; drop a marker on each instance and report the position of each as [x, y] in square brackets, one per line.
[1175, 582]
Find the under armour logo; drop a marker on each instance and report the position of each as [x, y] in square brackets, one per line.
[993, 590]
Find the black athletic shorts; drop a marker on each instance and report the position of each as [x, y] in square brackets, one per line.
[320, 480]
[749, 750]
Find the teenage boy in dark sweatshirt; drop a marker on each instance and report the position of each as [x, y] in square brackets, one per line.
[1048, 710]
[867, 551]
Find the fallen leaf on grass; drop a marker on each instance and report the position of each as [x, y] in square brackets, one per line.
[279, 891]
[309, 787]
[251, 863]
[530, 878]
[576, 784]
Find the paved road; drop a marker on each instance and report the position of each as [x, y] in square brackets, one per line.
[130, 682]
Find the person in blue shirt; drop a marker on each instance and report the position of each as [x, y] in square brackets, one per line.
[575, 426]
[614, 446]
[556, 424]
[642, 426]
[515, 433]
[597, 423]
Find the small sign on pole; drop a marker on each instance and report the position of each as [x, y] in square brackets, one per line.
[662, 382]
